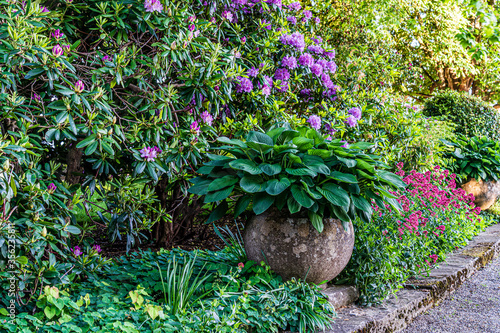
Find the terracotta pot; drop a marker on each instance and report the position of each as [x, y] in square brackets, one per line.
[294, 248]
[485, 193]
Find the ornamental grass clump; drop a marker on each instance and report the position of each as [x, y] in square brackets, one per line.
[298, 171]
[437, 217]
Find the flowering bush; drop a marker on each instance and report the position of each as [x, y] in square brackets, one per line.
[437, 218]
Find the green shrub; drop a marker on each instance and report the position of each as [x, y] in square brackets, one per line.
[475, 157]
[471, 115]
[437, 218]
[299, 171]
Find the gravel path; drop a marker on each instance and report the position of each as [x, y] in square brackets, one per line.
[473, 308]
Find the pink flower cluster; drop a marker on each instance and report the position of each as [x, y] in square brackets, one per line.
[150, 153]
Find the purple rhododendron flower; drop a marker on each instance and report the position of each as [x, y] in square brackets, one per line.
[290, 62]
[296, 40]
[306, 60]
[227, 15]
[283, 86]
[207, 118]
[307, 14]
[194, 128]
[106, 58]
[317, 20]
[66, 47]
[331, 67]
[57, 50]
[153, 6]
[77, 251]
[97, 248]
[351, 121]
[44, 9]
[269, 81]
[330, 54]
[282, 74]
[52, 187]
[149, 153]
[191, 27]
[305, 92]
[79, 86]
[327, 81]
[315, 49]
[266, 91]
[57, 34]
[292, 20]
[253, 72]
[295, 6]
[37, 97]
[317, 69]
[244, 85]
[314, 121]
[243, 39]
[355, 112]
[345, 145]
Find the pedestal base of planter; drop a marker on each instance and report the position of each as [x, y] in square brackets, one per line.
[294, 248]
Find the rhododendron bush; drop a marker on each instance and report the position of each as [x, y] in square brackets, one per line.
[437, 218]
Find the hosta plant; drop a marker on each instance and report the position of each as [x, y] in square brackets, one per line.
[477, 158]
[297, 170]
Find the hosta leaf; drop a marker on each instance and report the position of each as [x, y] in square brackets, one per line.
[218, 213]
[242, 204]
[336, 198]
[252, 184]
[391, 178]
[316, 220]
[293, 205]
[245, 165]
[235, 142]
[343, 177]
[301, 196]
[275, 186]
[301, 172]
[219, 195]
[220, 183]
[261, 202]
[259, 137]
[270, 169]
[362, 203]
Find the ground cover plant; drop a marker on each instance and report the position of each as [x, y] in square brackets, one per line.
[220, 293]
[438, 217]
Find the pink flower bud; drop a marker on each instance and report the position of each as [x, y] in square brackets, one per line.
[79, 86]
[57, 50]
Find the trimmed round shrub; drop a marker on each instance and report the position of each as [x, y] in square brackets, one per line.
[472, 116]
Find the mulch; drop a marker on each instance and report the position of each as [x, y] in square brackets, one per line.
[200, 236]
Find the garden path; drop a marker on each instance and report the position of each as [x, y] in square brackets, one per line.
[472, 308]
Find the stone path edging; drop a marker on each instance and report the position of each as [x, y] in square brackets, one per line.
[422, 294]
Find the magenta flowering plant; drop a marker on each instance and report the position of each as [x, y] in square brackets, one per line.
[436, 218]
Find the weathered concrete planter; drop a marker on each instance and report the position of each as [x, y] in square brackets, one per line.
[294, 248]
[485, 193]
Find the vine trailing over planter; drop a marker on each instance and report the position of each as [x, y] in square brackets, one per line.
[299, 170]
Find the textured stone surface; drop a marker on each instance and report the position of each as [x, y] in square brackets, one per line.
[473, 308]
[423, 293]
[294, 248]
[485, 193]
[340, 296]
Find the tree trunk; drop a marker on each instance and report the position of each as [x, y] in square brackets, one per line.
[182, 208]
[73, 162]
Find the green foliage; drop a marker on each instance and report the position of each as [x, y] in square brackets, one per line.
[472, 116]
[299, 170]
[475, 157]
[128, 297]
[437, 218]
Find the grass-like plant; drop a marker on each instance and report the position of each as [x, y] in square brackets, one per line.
[181, 286]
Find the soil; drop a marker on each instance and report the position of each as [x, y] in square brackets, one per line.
[200, 236]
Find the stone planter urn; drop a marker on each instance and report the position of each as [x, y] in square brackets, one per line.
[485, 192]
[294, 248]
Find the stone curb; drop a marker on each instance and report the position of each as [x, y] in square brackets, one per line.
[420, 295]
